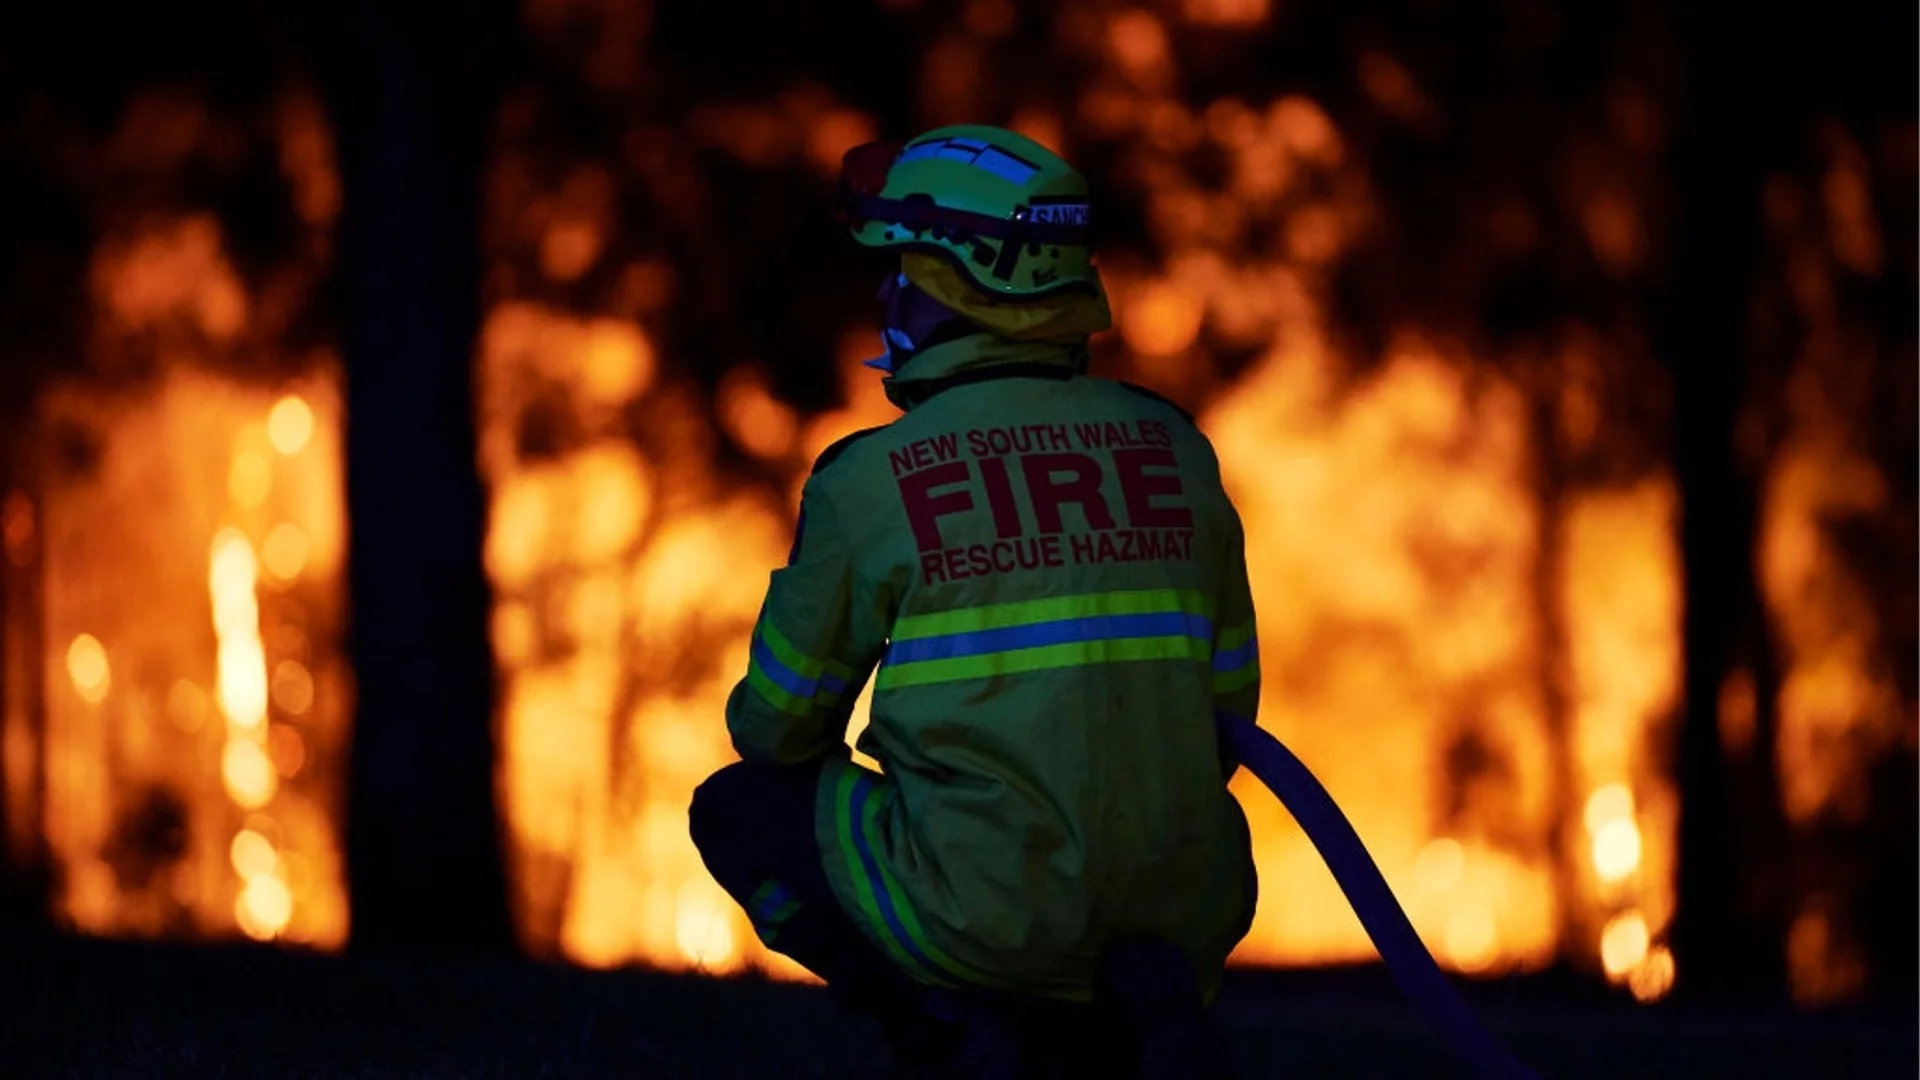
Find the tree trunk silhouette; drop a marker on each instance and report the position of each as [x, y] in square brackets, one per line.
[25, 895]
[1728, 936]
[412, 88]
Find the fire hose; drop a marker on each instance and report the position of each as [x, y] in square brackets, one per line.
[1407, 959]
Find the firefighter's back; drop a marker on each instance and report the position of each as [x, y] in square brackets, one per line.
[1062, 564]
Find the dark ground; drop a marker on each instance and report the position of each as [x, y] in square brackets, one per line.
[77, 1008]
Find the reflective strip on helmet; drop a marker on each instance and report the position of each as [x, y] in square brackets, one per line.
[1005, 639]
[1236, 659]
[1010, 167]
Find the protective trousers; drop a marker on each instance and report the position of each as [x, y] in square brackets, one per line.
[753, 823]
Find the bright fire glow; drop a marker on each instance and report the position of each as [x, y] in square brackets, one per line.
[1653, 977]
[169, 615]
[290, 425]
[190, 629]
[87, 667]
[1397, 539]
[187, 563]
[1623, 945]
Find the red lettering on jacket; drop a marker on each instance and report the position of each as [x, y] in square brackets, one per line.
[925, 509]
[1048, 492]
[1139, 487]
[924, 452]
[1006, 512]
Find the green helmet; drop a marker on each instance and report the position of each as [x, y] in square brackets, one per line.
[1008, 213]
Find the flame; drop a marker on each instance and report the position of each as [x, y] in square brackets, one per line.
[1839, 706]
[181, 560]
[191, 679]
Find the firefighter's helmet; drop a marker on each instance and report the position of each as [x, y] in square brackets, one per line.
[1007, 213]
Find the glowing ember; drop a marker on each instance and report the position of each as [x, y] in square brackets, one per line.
[1615, 835]
[264, 907]
[1616, 850]
[253, 854]
[290, 425]
[1608, 805]
[1623, 945]
[249, 775]
[87, 667]
[236, 621]
[1653, 977]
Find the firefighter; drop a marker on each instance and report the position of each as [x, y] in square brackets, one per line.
[1040, 575]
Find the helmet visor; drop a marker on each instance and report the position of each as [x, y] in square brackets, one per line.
[863, 176]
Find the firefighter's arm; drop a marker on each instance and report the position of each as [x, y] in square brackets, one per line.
[1236, 645]
[807, 661]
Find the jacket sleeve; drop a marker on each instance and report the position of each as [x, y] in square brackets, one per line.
[1236, 645]
[810, 655]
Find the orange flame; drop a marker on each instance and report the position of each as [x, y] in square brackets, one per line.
[185, 548]
[127, 722]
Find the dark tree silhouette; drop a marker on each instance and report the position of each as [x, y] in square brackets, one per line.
[1728, 931]
[412, 87]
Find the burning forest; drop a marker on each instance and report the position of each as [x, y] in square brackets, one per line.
[1415, 325]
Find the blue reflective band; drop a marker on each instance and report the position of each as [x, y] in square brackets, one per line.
[1005, 166]
[1058, 632]
[883, 897]
[783, 676]
[1236, 658]
[980, 155]
[790, 680]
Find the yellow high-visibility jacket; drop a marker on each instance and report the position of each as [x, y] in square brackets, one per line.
[1043, 577]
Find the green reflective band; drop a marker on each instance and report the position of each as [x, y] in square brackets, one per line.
[787, 678]
[1228, 682]
[1236, 659]
[1232, 637]
[1066, 654]
[793, 658]
[943, 967]
[994, 617]
[846, 822]
[775, 694]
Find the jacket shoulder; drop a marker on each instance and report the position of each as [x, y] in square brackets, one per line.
[1141, 391]
[840, 446]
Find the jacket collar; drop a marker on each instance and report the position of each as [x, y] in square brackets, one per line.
[979, 358]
